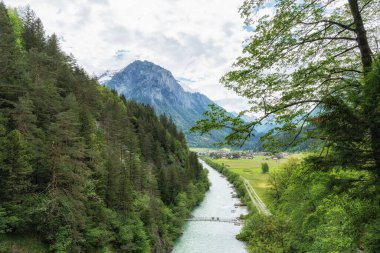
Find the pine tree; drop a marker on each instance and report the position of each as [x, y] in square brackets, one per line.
[11, 71]
[25, 120]
[52, 46]
[15, 168]
[33, 32]
[67, 151]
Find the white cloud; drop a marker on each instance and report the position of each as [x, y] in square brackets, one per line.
[196, 40]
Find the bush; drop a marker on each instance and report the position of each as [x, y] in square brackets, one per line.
[265, 167]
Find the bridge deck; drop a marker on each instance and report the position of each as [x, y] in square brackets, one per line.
[214, 219]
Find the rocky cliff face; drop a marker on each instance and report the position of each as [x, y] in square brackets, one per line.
[148, 83]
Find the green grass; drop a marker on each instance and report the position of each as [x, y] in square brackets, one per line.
[250, 169]
[21, 244]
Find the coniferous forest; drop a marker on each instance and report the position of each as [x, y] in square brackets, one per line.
[81, 168]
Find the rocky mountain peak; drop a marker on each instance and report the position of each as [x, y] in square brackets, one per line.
[148, 83]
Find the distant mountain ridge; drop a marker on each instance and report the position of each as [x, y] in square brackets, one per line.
[148, 83]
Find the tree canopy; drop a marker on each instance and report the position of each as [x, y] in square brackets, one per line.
[313, 67]
[303, 59]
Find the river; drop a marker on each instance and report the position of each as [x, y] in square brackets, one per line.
[211, 236]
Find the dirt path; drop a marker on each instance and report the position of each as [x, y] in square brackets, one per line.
[256, 199]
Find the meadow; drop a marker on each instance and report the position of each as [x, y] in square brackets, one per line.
[250, 169]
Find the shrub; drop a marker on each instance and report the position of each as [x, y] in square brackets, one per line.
[265, 167]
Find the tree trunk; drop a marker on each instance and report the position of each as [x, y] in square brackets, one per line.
[54, 167]
[375, 140]
[371, 94]
[361, 36]
[372, 112]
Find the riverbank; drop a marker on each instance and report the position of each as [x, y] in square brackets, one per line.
[235, 180]
[300, 193]
[214, 235]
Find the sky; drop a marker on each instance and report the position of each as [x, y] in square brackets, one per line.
[197, 40]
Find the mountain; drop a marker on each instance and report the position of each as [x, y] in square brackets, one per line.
[264, 127]
[235, 105]
[106, 76]
[148, 83]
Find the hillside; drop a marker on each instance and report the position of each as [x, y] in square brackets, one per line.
[81, 168]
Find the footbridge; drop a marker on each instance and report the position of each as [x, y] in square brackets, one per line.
[214, 219]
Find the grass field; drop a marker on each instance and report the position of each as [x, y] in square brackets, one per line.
[250, 169]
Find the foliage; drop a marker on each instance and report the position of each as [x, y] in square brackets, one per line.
[305, 66]
[313, 211]
[27, 243]
[81, 168]
[316, 213]
[17, 27]
[250, 169]
[265, 167]
[313, 67]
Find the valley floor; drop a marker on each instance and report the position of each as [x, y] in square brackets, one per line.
[250, 170]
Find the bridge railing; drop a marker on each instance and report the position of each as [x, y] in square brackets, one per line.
[215, 219]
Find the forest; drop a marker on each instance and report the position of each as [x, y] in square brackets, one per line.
[81, 168]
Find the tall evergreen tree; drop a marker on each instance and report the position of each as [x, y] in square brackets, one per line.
[33, 32]
[15, 168]
[11, 71]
